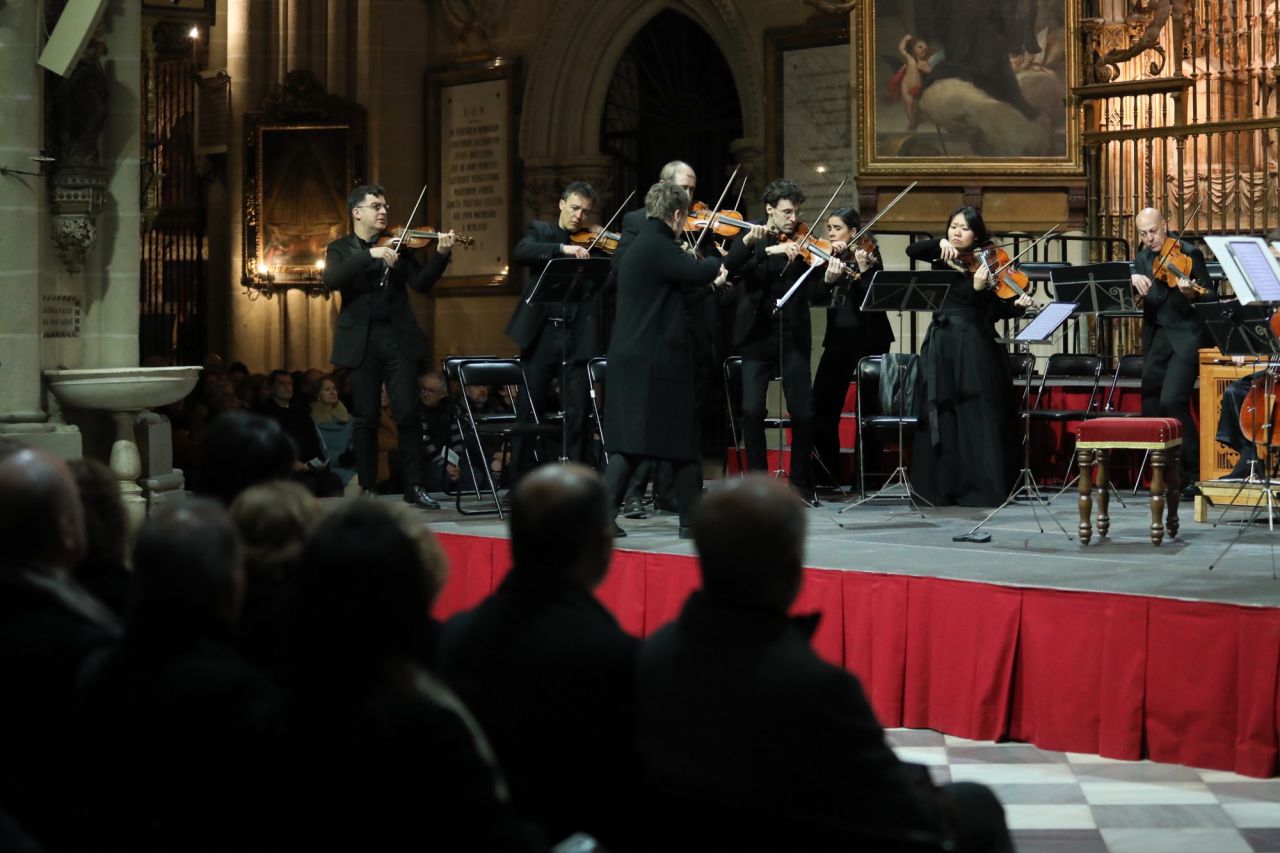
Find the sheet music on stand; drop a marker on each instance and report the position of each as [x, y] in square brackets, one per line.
[1237, 329]
[1249, 265]
[1046, 323]
[907, 290]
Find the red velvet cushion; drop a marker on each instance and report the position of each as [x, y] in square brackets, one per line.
[1123, 432]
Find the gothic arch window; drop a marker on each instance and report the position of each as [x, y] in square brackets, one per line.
[672, 96]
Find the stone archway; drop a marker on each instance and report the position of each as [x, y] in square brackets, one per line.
[569, 75]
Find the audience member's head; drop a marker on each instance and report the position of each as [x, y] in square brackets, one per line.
[239, 449]
[432, 555]
[188, 570]
[281, 384]
[311, 380]
[749, 533]
[237, 371]
[479, 395]
[274, 520]
[106, 523]
[432, 389]
[361, 598]
[41, 522]
[561, 525]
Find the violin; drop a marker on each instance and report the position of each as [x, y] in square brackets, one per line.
[1006, 281]
[597, 237]
[417, 238]
[1174, 266]
[725, 223]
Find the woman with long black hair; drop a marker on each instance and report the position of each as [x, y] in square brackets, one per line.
[967, 446]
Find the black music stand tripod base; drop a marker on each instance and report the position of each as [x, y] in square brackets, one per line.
[903, 292]
[1026, 489]
[565, 282]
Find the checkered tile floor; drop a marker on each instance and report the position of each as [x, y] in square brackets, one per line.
[1062, 801]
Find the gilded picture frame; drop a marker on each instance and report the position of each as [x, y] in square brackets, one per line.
[953, 88]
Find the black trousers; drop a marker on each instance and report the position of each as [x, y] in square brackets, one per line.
[686, 474]
[830, 386]
[757, 369]
[1229, 432]
[541, 364]
[1167, 382]
[384, 363]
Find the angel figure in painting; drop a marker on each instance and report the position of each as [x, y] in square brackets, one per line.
[908, 81]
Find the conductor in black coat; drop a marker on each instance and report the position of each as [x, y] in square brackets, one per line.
[1172, 335]
[651, 406]
[748, 740]
[377, 336]
[545, 332]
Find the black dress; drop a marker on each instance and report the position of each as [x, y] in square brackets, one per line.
[967, 446]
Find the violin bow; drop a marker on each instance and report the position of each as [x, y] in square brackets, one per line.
[386, 273]
[806, 238]
[724, 192]
[1045, 236]
[741, 190]
[867, 228]
[604, 228]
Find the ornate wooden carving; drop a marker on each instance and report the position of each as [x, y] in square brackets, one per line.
[1145, 21]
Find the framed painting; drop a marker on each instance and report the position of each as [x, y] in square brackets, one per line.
[471, 171]
[302, 173]
[967, 87]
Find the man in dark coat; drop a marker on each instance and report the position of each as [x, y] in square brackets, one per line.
[652, 401]
[545, 668]
[377, 336]
[1172, 335]
[547, 332]
[701, 315]
[765, 258]
[311, 468]
[750, 741]
[48, 625]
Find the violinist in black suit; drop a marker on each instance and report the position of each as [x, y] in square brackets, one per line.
[377, 336]
[850, 336]
[766, 258]
[1172, 333]
[540, 329]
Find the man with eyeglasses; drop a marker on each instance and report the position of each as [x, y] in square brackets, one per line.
[767, 263]
[377, 337]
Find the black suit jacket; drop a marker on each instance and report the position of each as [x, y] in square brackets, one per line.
[541, 244]
[549, 676]
[354, 273]
[763, 279]
[1166, 308]
[750, 739]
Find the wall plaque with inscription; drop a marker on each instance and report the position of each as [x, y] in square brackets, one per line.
[470, 169]
[60, 316]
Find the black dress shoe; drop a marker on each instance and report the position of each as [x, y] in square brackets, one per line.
[667, 506]
[618, 532]
[633, 508]
[686, 532]
[807, 496]
[1189, 491]
[417, 496]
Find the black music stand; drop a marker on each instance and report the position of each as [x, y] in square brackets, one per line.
[565, 282]
[1038, 331]
[904, 292]
[1104, 290]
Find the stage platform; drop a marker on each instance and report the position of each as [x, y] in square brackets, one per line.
[1119, 648]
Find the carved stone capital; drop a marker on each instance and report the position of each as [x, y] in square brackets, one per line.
[472, 23]
[750, 153]
[77, 197]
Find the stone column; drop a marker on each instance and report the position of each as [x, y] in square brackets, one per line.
[22, 221]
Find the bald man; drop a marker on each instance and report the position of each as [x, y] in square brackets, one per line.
[48, 625]
[1172, 335]
[546, 669]
[751, 739]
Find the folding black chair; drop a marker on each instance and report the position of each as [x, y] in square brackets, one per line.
[1068, 370]
[501, 427]
[597, 368]
[872, 417]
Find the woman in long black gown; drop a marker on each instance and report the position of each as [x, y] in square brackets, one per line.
[966, 449]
